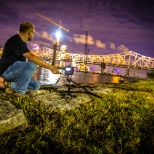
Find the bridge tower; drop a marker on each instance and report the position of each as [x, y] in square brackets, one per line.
[134, 74]
[86, 50]
[127, 71]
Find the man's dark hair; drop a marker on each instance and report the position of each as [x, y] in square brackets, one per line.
[25, 27]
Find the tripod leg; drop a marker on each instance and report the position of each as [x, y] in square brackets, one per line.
[86, 90]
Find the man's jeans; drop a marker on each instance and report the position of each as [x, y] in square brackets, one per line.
[20, 75]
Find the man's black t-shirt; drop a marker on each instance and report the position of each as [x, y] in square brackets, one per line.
[13, 51]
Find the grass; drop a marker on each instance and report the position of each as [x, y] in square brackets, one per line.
[121, 122]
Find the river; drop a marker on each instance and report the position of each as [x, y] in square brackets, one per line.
[45, 77]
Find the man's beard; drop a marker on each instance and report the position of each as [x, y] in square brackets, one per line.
[29, 38]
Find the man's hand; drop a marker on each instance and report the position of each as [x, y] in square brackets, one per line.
[54, 70]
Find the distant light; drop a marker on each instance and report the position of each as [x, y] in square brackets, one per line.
[67, 63]
[76, 68]
[117, 71]
[58, 35]
[91, 68]
[63, 48]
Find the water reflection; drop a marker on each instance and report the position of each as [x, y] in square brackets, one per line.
[94, 78]
[115, 80]
[45, 77]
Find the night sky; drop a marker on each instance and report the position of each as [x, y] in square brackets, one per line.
[113, 26]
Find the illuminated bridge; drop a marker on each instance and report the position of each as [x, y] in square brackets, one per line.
[124, 59]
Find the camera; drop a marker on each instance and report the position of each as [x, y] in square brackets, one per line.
[69, 70]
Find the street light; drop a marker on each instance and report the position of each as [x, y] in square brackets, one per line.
[58, 36]
[55, 44]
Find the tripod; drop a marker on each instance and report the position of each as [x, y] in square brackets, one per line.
[70, 93]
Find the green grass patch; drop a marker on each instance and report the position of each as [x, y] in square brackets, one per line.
[121, 122]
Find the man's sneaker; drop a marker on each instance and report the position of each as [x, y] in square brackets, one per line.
[33, 93]
[7, 86]
[17, 94]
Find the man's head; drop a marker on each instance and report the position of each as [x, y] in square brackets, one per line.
[27, 29]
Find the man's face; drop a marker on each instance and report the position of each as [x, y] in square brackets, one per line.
[31, 35]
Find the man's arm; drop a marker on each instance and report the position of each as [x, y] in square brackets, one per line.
[40, 62]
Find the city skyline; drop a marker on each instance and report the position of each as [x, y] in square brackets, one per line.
[112, 26]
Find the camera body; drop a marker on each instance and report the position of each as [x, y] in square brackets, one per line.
[69, 70]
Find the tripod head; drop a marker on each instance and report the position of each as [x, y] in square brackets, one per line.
[69, 70]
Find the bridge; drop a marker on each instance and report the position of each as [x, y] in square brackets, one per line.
[124, 59]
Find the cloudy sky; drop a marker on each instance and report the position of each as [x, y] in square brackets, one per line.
[113, 26]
